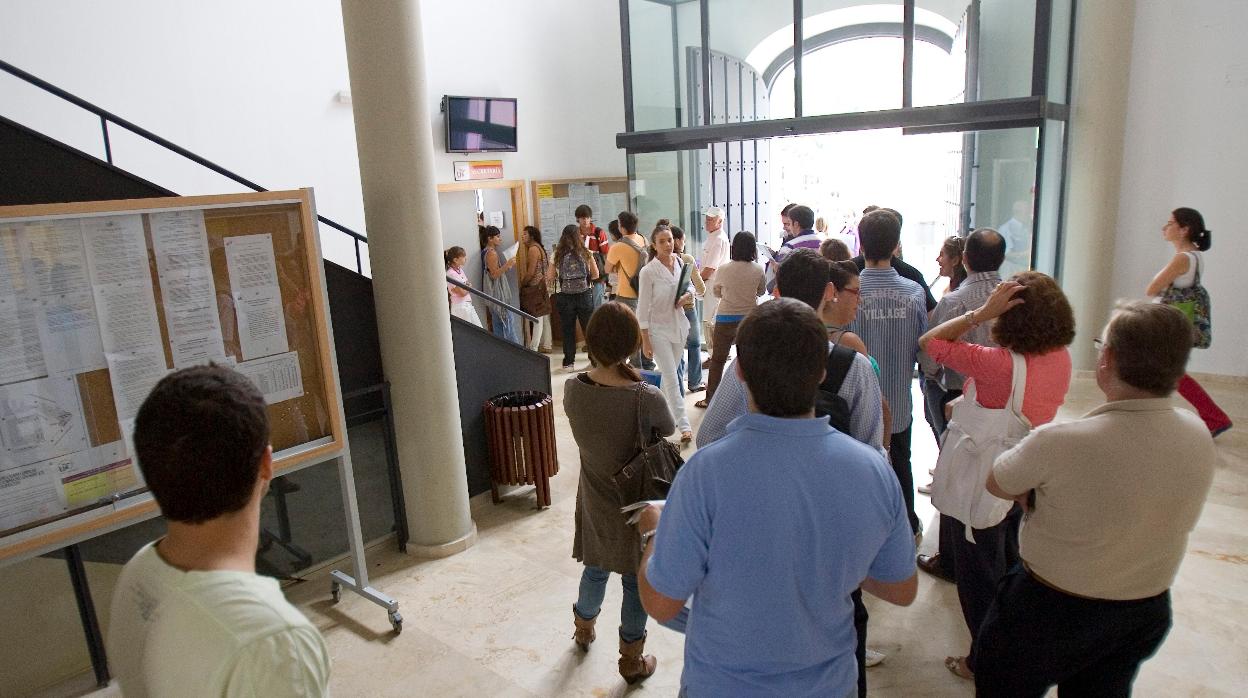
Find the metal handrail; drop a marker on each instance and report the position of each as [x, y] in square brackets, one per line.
[491, 299]
[107, 116]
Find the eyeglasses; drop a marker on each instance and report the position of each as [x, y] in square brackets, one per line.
[854, 291]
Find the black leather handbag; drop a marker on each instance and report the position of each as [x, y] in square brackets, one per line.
[648, 474]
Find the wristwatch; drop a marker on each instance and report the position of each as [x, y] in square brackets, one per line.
[645, 538]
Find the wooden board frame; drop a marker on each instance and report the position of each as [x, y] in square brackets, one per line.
[89, 523]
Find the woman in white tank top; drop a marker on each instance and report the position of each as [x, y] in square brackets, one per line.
[1186, 231]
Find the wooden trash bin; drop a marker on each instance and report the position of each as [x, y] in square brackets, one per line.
[520, 433]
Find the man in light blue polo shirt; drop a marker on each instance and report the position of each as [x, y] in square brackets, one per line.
[772, 527]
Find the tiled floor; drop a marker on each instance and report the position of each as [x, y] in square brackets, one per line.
[496, 619]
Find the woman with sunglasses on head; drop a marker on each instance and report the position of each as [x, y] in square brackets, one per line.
[1186, 231]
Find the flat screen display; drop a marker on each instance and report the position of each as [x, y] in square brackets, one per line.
[480, 124]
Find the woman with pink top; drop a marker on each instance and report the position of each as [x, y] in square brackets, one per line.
[1033, 324]
[461, 300]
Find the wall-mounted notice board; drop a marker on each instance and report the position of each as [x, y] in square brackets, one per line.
[99, 300]
[555, 202]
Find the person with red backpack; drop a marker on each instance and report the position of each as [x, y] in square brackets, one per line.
[595, 240]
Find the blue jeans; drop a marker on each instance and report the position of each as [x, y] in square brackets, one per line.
[594, 588]
[693, 344]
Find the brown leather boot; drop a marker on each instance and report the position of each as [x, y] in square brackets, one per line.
[635, 666]
[584, 632]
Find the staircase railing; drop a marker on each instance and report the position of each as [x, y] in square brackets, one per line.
[106, 117]
[491, 299]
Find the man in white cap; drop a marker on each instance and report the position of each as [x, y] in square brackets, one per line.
[714, 254]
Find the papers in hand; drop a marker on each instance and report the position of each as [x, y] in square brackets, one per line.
[510, 252]
[634, 510]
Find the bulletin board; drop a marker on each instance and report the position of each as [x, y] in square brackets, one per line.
[555, 201]
[99, 300]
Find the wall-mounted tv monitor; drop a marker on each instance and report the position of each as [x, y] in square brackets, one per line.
[480, 124]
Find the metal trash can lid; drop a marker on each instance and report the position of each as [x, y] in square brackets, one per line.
[523, 398]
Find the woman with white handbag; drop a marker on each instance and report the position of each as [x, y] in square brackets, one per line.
[1010, 389]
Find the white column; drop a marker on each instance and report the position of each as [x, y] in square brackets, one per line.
[386, 61]
[1103, 33]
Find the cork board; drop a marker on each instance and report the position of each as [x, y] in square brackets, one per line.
[235, 279]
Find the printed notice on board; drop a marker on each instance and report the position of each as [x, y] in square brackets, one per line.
[40, 419]
[21, 354]
[278, 377]
[180, 242]
[68, 326]
[28, 493]
[257, 296]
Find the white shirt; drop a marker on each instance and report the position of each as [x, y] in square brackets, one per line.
[217, 633]
[715, 250]
[656, 302]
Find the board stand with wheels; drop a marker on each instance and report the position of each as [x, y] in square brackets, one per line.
[359, 583]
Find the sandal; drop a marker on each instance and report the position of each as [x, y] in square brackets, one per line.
[686, 437]
[700, 403]
[957, 666]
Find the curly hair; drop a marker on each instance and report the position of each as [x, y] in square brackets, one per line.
[1042, 323]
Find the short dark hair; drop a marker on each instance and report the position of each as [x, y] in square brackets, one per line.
[1191, 219]
[785, 211]
[199, 437]
[803, 276]
[583, 211]
[835, 250]
[782, 347]
[614, 228]
[677, 232]
[984, 250]
[900, 221]
[840, 272]
[879, 232]
[1044, 321]
[612, 336]
[744, 248]
[628, 221]
[803, 216]
[1151, 344]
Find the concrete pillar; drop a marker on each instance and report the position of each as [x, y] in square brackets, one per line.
[1103, 32]
[394, 135]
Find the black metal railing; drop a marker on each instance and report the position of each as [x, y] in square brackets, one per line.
[106, 117]
[491, 299]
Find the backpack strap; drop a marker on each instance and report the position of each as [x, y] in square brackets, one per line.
[1195, 257]
[839, 361]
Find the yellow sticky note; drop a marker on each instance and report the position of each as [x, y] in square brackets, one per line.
[545, 191]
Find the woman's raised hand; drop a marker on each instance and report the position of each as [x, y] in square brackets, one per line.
[1001, 300]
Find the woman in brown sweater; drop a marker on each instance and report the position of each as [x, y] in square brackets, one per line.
[602, 406]
[737, 284]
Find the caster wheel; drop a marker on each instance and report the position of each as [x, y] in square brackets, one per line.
[396, 621]
[335, 590]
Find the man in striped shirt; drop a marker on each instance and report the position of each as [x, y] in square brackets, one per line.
[891, 317]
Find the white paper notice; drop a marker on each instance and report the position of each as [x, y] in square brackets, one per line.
[257, 296]
[133, 376]
[40, 419]
[21, 354]
[116, 249]
[28, 493]
[180, 241]
[127, 318]
[277, 377]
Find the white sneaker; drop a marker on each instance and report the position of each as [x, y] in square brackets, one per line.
[874, 658]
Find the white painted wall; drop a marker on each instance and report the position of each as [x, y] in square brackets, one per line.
[1184, 145]
[559, 58]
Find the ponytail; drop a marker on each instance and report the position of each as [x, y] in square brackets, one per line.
[1191, 219]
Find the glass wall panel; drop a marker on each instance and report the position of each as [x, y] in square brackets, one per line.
[1007, 30]
[1060, 35]
[852, 57]
[657, 96]
[941, 35]
[1004, 191]
[1049, 206]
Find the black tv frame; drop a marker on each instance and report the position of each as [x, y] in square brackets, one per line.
[446, 119]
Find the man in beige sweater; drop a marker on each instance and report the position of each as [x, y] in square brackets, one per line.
[1110, 501]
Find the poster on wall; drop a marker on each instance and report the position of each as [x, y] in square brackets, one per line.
[473, 170]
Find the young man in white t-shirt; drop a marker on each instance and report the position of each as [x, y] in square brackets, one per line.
[189, 614]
